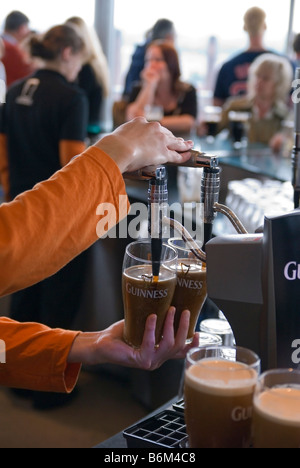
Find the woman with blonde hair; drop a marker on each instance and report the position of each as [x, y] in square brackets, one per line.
[267, 99]
[94, 75]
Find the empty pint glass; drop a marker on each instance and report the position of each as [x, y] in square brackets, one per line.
[218, 393]
[276, 418]
[141, 295]
[191, 290]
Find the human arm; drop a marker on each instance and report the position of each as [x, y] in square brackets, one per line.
[45, 228]
[73, 130]
[36, 357]
[44, 359]
[145, 96]
[109, 346]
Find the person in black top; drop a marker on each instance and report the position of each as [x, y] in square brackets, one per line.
[47, 111]
[93, 78]
[161, 86]
[163, 29]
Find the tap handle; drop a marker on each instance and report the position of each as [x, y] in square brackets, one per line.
[197, 159]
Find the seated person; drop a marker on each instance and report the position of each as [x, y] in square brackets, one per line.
[267, 100]
[161, 86]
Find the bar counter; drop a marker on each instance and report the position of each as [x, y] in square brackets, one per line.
[255, 161]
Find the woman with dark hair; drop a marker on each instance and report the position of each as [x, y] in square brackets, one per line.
[161, 86]
[46, 111]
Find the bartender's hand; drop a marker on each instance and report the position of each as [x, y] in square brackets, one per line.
[108, 346]
[139, 143]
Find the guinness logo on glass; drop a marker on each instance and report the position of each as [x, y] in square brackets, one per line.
[292, 271]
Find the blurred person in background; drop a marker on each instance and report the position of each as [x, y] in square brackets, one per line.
[232, 77]
[93, 78]
[2, 74]
[267, 100]
[16, 29]
[296, 48]
[48, 111]
[161, 86]
[163, 29]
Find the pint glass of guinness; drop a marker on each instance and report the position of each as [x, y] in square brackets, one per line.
[276, 418]
[218, 393]
[191, 291]
[142, 296]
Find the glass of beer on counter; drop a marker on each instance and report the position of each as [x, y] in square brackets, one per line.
[191, 290]
[276, 417]
[238, 127]
[218, 392]
[142, 296]
[212, 118]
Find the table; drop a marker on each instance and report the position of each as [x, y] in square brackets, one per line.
[255, 158]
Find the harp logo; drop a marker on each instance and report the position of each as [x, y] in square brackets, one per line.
[2, 352]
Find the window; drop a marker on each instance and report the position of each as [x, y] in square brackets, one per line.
[44, 15]
[196, 23]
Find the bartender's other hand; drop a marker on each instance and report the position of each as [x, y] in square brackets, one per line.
[139, 143]
[112, 348]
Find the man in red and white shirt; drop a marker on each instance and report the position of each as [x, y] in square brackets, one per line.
[16, 29]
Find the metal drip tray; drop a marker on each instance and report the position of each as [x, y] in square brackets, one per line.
[167, 429]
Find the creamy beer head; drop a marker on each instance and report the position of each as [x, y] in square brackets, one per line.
[218, 403]
[276, 417]
[221, 377]
[281, 405]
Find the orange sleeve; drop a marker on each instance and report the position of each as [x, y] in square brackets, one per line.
[43, 229]
[68, 149]
[36, 357]
[4, 171]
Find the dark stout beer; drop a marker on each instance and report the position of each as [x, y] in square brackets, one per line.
[143, 297]
[218, 403]
[190, 292]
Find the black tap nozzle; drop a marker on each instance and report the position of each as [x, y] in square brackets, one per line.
[157, 204]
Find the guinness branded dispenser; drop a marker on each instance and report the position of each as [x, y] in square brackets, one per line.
[255, 281]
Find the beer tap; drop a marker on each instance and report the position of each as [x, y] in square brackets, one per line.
[157, 210]
[158, 205]
[158, 202]
[296, 149]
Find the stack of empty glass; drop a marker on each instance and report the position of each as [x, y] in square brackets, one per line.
[218, 327]
[252, 199]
